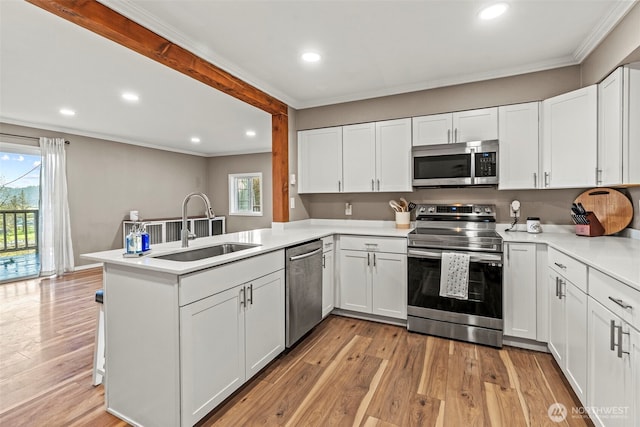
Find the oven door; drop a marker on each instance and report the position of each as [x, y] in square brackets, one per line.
[484, 306]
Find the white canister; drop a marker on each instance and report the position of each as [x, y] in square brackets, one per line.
[133, 215]
[403, 220]
[533, 225]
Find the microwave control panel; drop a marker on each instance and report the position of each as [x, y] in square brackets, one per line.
[486, 164]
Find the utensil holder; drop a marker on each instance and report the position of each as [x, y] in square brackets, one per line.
[403, 220]
[592, 229]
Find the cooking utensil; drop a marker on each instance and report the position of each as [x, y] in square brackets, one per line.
[404, 204]
[411, 206]
[581, 209]
[575, 209]
[395, 206]
[612, 208]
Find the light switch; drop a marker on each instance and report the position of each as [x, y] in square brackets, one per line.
[348, 209]
[292, 203]
[292, 179]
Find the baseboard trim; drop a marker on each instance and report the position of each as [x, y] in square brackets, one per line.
[88, 266]
[370, 317]
[525, 343]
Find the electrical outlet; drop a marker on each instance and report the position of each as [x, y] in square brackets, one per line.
[515, 209]
[348, 209]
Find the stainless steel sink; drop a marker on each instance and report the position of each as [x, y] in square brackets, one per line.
[208, 252]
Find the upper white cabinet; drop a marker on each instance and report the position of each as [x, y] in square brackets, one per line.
[359, 158]
[610, 129]
[569, 143]
[462, 126]
[320, 160]
[519, 131]
[631, 124]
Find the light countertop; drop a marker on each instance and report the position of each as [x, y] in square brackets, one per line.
[618, 257]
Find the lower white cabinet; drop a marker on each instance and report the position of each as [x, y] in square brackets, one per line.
[227, 338]
[373, 281]
[568, 331]
[520, 290]
[613, 368]
[328, 276]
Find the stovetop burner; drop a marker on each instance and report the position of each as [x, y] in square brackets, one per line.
[459, 226]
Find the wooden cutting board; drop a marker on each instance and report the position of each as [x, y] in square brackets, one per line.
[613, 209]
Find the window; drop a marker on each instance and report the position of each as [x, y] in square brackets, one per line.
[245, 194]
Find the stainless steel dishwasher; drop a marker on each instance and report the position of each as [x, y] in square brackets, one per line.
[303, 289]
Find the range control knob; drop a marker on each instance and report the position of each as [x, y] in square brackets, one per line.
[432, 209]
[487, 210]
[477, 210]
[421, 210]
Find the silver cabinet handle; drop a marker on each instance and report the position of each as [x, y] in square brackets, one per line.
[620, 303]
[560, 294]
[339, 186]
[448, 136]
[557, 290]
[562, 266]
[368, 259]
[612, 335]
[372, 185]
[546, 179]
[620, 333]
[324, 265]
[535, 180]
[378, 185]
[374, 260]
[455, 135]
[598, 182]
[243, 303]
[250, 298]
[303, 256]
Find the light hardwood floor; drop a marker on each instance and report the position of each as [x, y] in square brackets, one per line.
[346, 372]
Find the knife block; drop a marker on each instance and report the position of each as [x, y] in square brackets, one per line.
[593, 229]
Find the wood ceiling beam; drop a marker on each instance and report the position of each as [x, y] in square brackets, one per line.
[108, 23]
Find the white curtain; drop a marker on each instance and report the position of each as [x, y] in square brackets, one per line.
[56, 250]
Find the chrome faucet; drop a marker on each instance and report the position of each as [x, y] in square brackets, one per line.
[184, 233]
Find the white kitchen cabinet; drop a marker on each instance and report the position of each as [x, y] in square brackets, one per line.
[609, 375]
[568, 320]
[461, 126]
[393, 155]
[227, 338]
[377, 156]
[631, 124]
[520, 290]
[519, 146]
[373, 280]
[328, 275]
[610, 94]
[320, 160]
[569, 143]
[634, 389]
[212, 340]
[264, 321]
[359, 157]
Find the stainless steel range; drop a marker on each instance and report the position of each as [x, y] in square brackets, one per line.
[463, 234]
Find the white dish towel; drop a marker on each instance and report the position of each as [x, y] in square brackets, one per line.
[454, 275]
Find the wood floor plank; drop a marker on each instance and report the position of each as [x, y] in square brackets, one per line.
[464, 396]
[493, 368]
[433, 381]
[424, 411]
[503, 406]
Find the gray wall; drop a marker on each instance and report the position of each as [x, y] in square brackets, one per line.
[218, 170]
[107, 179]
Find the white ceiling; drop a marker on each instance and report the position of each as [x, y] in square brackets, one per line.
[369, 48]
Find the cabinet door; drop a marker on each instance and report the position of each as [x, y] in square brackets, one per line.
[576, 348]
[631, 130]
[633, 372]
[264, 321]
[393, 155]
[211, 352]
[570, 139]
[327, 282]
[610, 129]
[557, 330]
[389, 284]
[355, 281]
[606, 371]
[320, 160]
[475, 125]
[520, 291]
[359, 157]
[433, 129]
[518, 146]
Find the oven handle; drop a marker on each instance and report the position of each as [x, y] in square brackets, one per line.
[484, 258]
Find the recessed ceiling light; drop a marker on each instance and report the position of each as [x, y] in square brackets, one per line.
[195, 140]
[67, 112]
[130, 96]
[311, 57]
[493, 11]
[250, 133]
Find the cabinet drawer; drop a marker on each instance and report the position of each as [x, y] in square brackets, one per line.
[374, 244]
[327, 243]
[201, 284]
[605, 289]
[571, 269]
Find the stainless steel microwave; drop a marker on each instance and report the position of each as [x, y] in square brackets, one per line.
[458, 164]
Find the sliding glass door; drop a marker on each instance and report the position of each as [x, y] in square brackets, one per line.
[19, 210]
